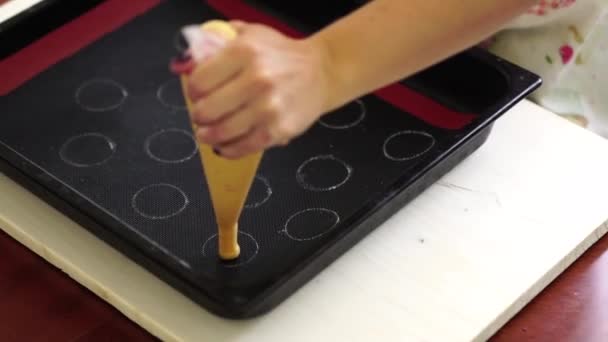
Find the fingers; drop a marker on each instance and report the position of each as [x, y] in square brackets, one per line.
[248, 97]
[256, 140]
[257, 125]
[216, 71]
[231, 128]
[238, 25]
[224, 101]
[248, 136]
[223, 67]
[259, 112]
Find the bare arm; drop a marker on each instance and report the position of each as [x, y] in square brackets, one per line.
[265, 89]
[387, 40]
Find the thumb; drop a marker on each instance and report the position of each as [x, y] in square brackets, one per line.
[239, 25]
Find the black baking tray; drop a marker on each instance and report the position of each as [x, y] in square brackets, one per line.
[103, 136]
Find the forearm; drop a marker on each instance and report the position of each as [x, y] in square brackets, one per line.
[387, 40]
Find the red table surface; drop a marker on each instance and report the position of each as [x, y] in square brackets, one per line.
[41, 303]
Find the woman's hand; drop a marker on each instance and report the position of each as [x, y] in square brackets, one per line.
[262, 90]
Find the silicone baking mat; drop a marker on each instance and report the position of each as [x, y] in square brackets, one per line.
[94, 122]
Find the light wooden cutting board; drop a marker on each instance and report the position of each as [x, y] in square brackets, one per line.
[454, 265]
[11, 8]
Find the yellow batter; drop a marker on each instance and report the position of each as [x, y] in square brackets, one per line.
[229, 181]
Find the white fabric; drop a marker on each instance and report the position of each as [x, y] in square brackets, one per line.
[568, 47]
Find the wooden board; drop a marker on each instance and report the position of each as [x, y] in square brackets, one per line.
[11, 8]
[454, 265]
